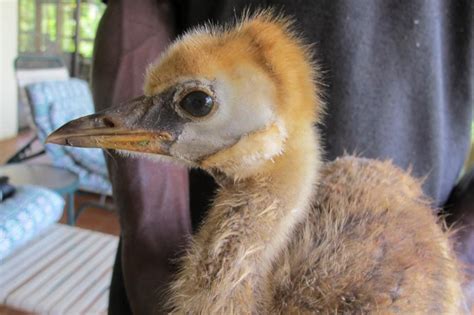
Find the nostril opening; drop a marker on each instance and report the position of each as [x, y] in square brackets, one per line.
[108, 122]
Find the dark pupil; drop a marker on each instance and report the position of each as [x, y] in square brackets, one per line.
[197, 103]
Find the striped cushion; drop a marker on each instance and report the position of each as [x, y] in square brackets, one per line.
[67, 270]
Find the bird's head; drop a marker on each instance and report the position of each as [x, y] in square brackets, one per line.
[228, 99]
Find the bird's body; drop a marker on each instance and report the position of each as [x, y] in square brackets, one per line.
[286, 233]
[367, 243]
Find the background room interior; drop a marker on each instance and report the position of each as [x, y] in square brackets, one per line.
[60, 206]
[59, 230]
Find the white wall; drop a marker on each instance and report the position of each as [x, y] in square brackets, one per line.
[8, 52]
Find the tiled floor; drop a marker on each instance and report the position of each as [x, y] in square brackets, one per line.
[96, 219]
[8, 311]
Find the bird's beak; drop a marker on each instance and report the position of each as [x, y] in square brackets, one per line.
[128, 127]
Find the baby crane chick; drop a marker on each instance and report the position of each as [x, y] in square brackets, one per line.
[286, 233]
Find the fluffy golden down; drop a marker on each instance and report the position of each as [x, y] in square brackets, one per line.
[286, 233]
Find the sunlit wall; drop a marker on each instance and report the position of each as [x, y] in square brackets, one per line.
[8, 52]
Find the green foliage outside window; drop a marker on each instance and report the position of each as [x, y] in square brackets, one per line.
[50, 25]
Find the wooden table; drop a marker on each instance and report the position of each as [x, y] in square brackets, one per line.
[11, 146]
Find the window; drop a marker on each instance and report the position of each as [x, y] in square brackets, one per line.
[55, 27]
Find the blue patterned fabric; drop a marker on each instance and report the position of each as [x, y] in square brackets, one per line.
[54, 103]
[28, 212]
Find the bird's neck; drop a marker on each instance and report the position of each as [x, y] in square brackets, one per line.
[249, 224]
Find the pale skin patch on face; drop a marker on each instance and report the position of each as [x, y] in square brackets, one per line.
[247, 156]
[242, 109]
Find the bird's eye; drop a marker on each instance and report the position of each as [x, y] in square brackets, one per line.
[197, 103]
